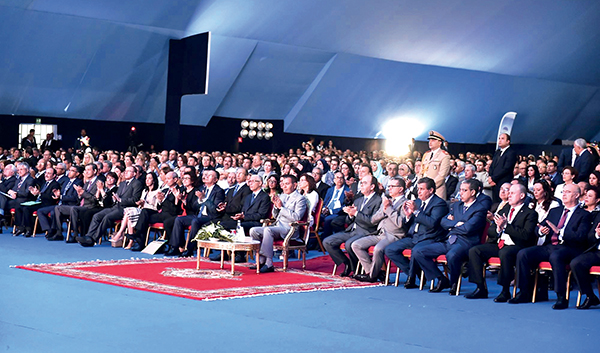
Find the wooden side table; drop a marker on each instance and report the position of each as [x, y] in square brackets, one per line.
[253, 245]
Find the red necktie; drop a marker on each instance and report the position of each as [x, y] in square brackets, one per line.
[561, 224]
[510, 214]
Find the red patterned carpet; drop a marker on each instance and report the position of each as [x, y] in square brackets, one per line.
[179, 277]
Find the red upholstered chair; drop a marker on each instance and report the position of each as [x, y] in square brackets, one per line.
[358, 266]
[406, 253]
[158, 228]
[595, 271]
[546, 266]
[288, 243]
[35, 224]
[12, 219]
[314, 229]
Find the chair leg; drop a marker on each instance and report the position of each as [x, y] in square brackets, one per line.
[304, 259]
[387, 272]
[397, 277]
[535, 284]
[578, 298]
[284, 253]
[422, 281]
[334, 269]
[568, 286]
[320, 242]
[148, 235]
[458, 285]
[35, 226]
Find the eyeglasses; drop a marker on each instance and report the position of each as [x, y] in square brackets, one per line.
[393, 186]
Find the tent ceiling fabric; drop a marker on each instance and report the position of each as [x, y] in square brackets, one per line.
[337, 67]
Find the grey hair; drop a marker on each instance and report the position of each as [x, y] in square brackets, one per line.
[472, 167]
[581, 142]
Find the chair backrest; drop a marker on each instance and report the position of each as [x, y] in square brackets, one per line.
[317, 215]
[303, 230]
[484, 236]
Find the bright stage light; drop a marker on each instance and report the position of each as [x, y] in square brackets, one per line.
[399, 134]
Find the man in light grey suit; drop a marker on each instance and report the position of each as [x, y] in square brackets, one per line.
[288, 208]
[390, 227]
[359, 219]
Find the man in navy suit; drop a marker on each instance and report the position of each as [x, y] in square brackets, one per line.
[211, 199]
[423, 221]
[359, 220]
[565, 230]
[465, 223]
[584, 161]
[67, 196]
[19, 192]
[580, 266]
[552, 173]
[332, 206]
[503, 164]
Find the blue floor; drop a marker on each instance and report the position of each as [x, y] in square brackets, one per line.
[47, 313]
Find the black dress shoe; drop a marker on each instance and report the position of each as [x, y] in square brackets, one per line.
[454, 289]
[503, 297]
[442, 284]
[478, 293]
[137, 247]
[56, 237]
[72, 240]
[347, 271]
[187, 253]
[173, 252]
[410, 284]
[85, 241]
[590, 300]
[19, 232]
[240, 258]
[520, 298]
[561, 303]
[362, 277]
[28, 234]
[267, 269]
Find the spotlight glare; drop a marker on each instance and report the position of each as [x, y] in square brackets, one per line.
[261, 125]
[245, 124]
[399, 133]
[253, 125]
[244, 133]
[252, 133]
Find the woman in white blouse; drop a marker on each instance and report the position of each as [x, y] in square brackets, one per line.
[543, 201]
[569, 174]
[308, 187]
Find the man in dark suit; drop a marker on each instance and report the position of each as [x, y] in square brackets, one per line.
[584, 160]
[423, 222]
[211, 199]
[580, 266]
[66, 196]
[129, 192]
[322, 188]
[49, 143]
[166, 208]
[465, 223]
[503, 164]
[565, 230]
[451, 183]
[359, 225]
[256, 206]
[552, 173]
[44, 196]
[19, 192]
[514, 229]
[86, 198]
[8, 178]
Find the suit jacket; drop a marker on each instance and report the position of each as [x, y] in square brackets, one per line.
[129, 193]
[89, 194]
[217, 196]
[501, 170]
[23, 193]
[63, 180]
[235, 202]
[293, 209]
[564, 159]
[68, 193]
[391, 220]
[451, 184]
[46, 197]
[428, 220]
[584, 165]
[8, 183]
[168, 205]
[257, 209]
[522, 228]
[593, 242]
[575, 232]
[341, 197]
[437, 167]
[361, 223]
[322, 190]
[474, 220]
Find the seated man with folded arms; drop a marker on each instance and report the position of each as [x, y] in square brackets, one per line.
[566, 231]
[513, 230]
[359, 225]
[580, 266]
[288, 208]
[465, 223]
[423, 217]
[390, 227]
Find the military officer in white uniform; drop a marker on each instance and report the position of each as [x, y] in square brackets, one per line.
[436, 163]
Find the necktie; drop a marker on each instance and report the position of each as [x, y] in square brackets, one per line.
[252, 198]
[236, 189]
[68, 187]
[465, 208]
[45, 187]
[561, 224]
[20, 183]
[421, 208]
[510, 214]
[332, 201]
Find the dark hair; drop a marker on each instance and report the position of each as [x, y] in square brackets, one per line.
[536, 171]
[400, 181]
[473, 184]
[112, 175]
[154, 182]
[291, 177]
[277, 187]
[548, 194]
[573, 171]
[312, 184]
[94, 166]
[350, 169]
[429, 183]
[193, 178]
[596, 174]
